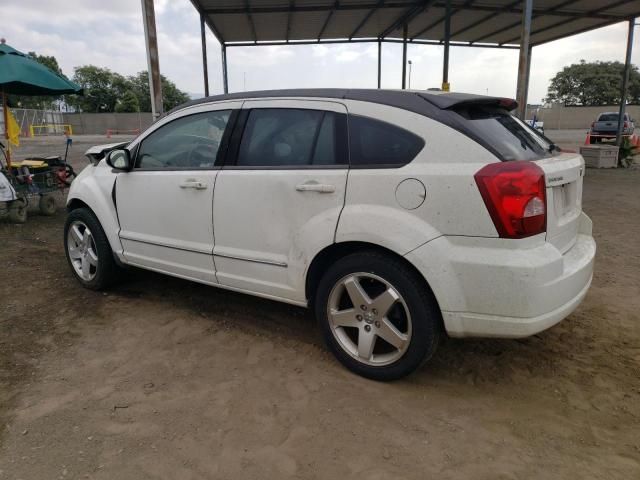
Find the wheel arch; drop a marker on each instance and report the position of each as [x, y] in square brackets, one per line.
[336, 251]
[104, 213]
[76, 203]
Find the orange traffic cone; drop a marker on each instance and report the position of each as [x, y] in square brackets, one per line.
[587, 141]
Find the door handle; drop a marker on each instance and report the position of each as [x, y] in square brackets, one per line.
[315, 187]
[193, 184]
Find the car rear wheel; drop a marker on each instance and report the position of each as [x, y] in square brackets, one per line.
[88, 251]
[377, 315]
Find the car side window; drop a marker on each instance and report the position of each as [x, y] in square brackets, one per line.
[287, 137]
[376, 143]
[190, 142]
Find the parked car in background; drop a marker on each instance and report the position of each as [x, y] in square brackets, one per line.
[397, 216]
[606, 126]
[536, 124]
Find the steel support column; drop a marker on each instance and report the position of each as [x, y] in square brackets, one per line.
[447, 39]
[524, 62]
[379, 63]
[225, 81]
[625, 82]
[205, 68]
[404, 56]
[153, 63]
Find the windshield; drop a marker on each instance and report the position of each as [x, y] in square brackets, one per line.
[511, 137]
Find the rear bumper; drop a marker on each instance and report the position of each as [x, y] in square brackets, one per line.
[463, 324]
[506, 288]
[610, 135]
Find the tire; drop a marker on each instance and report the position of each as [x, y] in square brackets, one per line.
[89, 254]
[18, 211]
[47, 205]
[363, 339]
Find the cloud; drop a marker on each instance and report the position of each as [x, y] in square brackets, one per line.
[347, 56]
[320, 50]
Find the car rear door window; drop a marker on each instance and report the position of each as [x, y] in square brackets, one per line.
[373, 143]
[189, 142]
[287, 137]
[508, 135]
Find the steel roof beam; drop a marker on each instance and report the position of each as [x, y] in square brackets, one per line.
[443, 18]
[288, 33]
[406, 17]
[583, 30]
[589, 14]
[366, 19]
[482, 20]
[326, 22]
[250, 18]
[552, 12]
[368, 40]
[208, 21]
[309, 8]
[463, 6]
[515, 24]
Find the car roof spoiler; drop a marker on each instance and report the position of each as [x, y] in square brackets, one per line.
[447, 101]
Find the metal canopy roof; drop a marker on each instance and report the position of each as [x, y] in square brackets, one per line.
[473, 22]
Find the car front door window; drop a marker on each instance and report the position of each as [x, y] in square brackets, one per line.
[190, 142]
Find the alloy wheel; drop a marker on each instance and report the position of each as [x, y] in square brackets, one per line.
[82, 250]
[369, 319]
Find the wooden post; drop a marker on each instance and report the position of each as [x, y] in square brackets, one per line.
[151, 42]
[5, 113]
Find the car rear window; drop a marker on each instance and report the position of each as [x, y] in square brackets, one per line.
[509, 136]
[373, 143]
[611, 117]
[608, 117]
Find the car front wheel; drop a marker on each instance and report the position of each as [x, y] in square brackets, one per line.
[377, 315]
[88, 251]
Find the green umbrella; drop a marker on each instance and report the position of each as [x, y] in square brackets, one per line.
[22, 75]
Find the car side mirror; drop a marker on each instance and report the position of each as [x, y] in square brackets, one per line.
[119, 159]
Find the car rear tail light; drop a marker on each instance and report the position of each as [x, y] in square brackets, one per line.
[514, 194]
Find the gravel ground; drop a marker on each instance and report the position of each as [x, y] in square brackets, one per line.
[162, 378]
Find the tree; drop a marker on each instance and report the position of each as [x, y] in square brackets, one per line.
[128, 103]
[593, 84]
[102, 89]
[171, 95]
[38, 102]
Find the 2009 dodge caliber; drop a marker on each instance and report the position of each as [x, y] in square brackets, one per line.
[398, 216]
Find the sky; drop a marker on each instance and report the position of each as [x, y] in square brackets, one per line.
[109, 33]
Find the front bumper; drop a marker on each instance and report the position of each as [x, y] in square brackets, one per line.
[506, 288]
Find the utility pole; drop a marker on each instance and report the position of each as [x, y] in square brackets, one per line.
[153, 62]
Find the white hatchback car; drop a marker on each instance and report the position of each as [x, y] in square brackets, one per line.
[398, 216]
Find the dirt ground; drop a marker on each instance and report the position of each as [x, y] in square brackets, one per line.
[162, 378]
